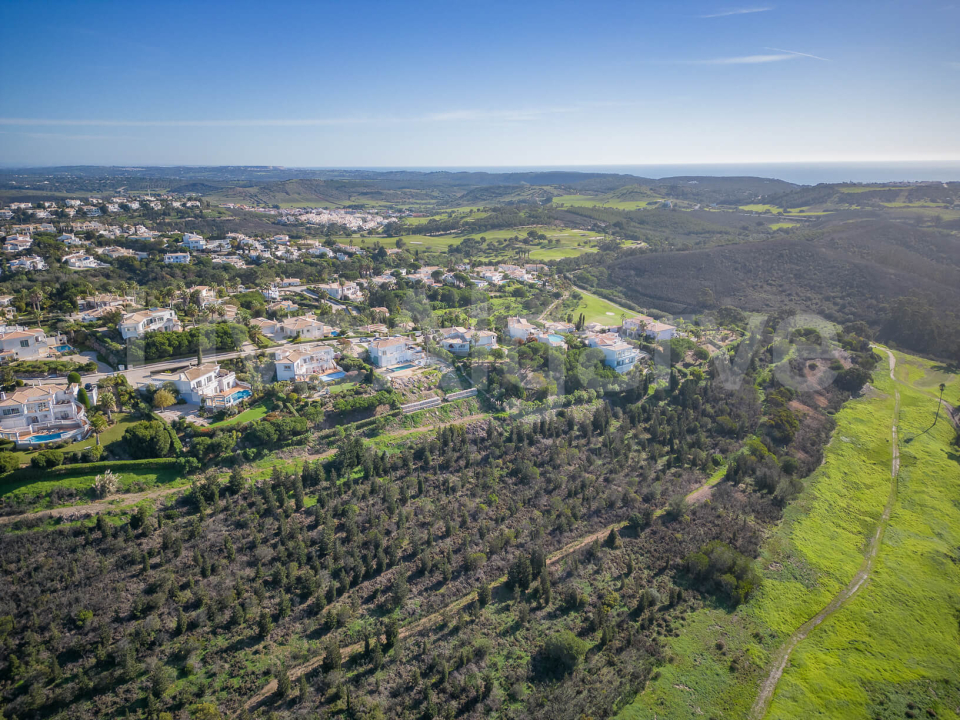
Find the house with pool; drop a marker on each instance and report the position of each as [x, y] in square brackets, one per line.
[301, 363]
[19, 343]
[35, 415]
[206, 384]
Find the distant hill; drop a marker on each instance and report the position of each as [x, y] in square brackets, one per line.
[845, 272]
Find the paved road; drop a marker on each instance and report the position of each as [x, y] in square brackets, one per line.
[141, 373]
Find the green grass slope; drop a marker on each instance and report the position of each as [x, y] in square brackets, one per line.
[896, 641]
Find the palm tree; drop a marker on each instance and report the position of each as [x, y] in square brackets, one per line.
[107, 402]
[99, 424]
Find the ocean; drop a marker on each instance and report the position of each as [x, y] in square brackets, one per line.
[799, 173]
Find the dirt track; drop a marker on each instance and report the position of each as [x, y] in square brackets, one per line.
[782, 656]
[435, 617]
[128, 499]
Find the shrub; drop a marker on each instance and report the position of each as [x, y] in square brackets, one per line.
[47, 459]
[564, 650]
[74, 377]
[147, 439]
[92, 453]
[8, 462]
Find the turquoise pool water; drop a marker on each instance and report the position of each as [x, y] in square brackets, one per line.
[47, 438]
[330, 377]
[240, 395]
[402, 367]
[63, 348]
[555, 338]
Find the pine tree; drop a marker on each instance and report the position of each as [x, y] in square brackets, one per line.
[545, 591]
[283, 681]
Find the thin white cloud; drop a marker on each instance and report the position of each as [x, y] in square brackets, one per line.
[742, 60]
[794, 52]
[447, 116]
[736, 11]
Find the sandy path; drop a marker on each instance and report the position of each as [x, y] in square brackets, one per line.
[782, 656]
[104, 505]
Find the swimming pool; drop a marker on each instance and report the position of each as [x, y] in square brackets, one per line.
[402, 367]
[63, 348]
[47, 438]
[555, 338]
[330, 377]
[240, 395]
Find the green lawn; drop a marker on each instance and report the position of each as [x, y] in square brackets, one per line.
[596, 309]
[342, 387]
[252, 413]
[81, 480]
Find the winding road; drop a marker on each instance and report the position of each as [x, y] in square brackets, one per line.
[782, 656]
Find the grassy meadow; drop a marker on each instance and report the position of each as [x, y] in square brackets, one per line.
[893, 643]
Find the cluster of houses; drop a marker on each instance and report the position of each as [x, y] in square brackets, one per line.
[618, 354]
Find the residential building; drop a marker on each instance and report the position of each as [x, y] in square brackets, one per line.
[348, 291]
[81, 261]
[307, 328]
[18, 343]
[177, 258]
[193, 242]
[283, 306]
[135, 325]
[519, 329]
[17, 243]
[206, 384]
[93, 302]
[302, 362]
[205, 295]
[37, 414]
[28, 262]
[646, 325]
[616, 353]
[460, 341]
[388, 352]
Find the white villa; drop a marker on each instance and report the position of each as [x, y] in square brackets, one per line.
[394, 351]
[460, 341]
[645, 325]
[39, 414]
[616, 353]
[308, 328]
[348, 291]
[93, 302]
[17, 343]
[81, 261]
[28, 262]
[193, 242]
[177, 258]
[16, 243]
[135, 325]
[520, 329]
[206, 384]
[302, 362]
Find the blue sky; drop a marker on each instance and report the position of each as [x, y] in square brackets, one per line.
[370, 83]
